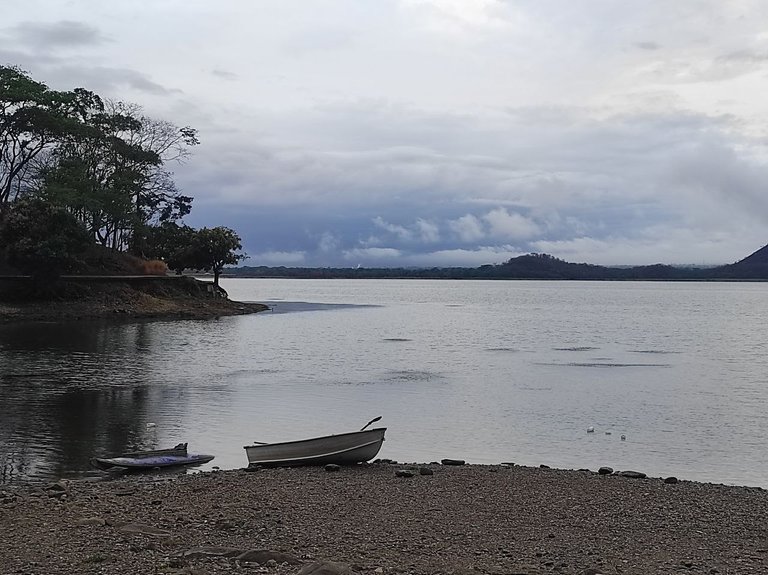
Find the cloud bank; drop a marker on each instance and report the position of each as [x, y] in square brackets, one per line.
[426, 133]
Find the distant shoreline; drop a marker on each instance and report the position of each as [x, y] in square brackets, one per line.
[612, 280]
[530, 267]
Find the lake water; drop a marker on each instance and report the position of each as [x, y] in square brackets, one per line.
[486, 371]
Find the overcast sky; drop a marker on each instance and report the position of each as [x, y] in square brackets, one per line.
[440, 132]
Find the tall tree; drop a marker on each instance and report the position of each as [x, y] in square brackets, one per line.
[214, 248]
[113, 176]
[93, 174]
[156, 197]
[33, 118]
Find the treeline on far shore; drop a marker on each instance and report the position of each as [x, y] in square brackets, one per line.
[531, 266]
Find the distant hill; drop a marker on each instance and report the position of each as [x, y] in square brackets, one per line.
[752, 267]
[533, 266]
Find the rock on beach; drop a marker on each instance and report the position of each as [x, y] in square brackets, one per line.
[366, 520]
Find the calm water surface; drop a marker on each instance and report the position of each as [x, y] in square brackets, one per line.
[483, 371]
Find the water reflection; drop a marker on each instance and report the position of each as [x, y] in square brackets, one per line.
[482, 371]
[70, 391]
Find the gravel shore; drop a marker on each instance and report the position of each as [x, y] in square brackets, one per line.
[367, 519]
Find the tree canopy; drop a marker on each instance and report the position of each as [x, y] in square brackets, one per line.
[75, 166]
[105, 162]
[214, 248]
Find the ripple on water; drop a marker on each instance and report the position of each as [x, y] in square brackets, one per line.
[258, 371]
[507, 349]
[653, 351]
[601, 364]
[408, 376]
[578, 348]
[396, 339]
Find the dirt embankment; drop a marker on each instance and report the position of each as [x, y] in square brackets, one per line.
[114, 296]
[371, 520]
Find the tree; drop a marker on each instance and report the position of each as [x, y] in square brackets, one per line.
[214, 248]
[43, 240]
[156, 198]
[112, 175]
[171, 243]
[33, 119]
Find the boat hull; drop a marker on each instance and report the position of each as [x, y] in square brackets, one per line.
[103, 462]
[152, 461]
[342, 449]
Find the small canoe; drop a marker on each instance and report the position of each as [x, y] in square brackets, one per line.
[342, 449]
[152, 461]
[170, 457]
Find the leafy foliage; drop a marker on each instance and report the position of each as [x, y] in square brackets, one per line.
[172, 243]
[33, 119]
[214, 248]
[42, 239]
[76, 170]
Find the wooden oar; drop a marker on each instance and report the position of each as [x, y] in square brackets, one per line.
[374, 420]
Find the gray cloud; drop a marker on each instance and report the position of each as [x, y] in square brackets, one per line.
[423, 132]
[107, 80]
[555, 179]
[56, 35]
[311, 40]
[224, 74]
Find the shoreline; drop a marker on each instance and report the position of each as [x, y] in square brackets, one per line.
[121, 297]
[467, 519]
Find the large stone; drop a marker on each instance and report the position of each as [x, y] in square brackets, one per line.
[211, 551]
[605, 470]
[405, 473]
[58, 486]
[262, 556]
[144, 530]
[326, 568]
[452, 461]
[633, 474]
[92, 521]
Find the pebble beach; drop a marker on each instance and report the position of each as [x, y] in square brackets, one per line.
[383, 518]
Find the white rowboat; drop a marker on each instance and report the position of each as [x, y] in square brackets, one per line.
[342, 449]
